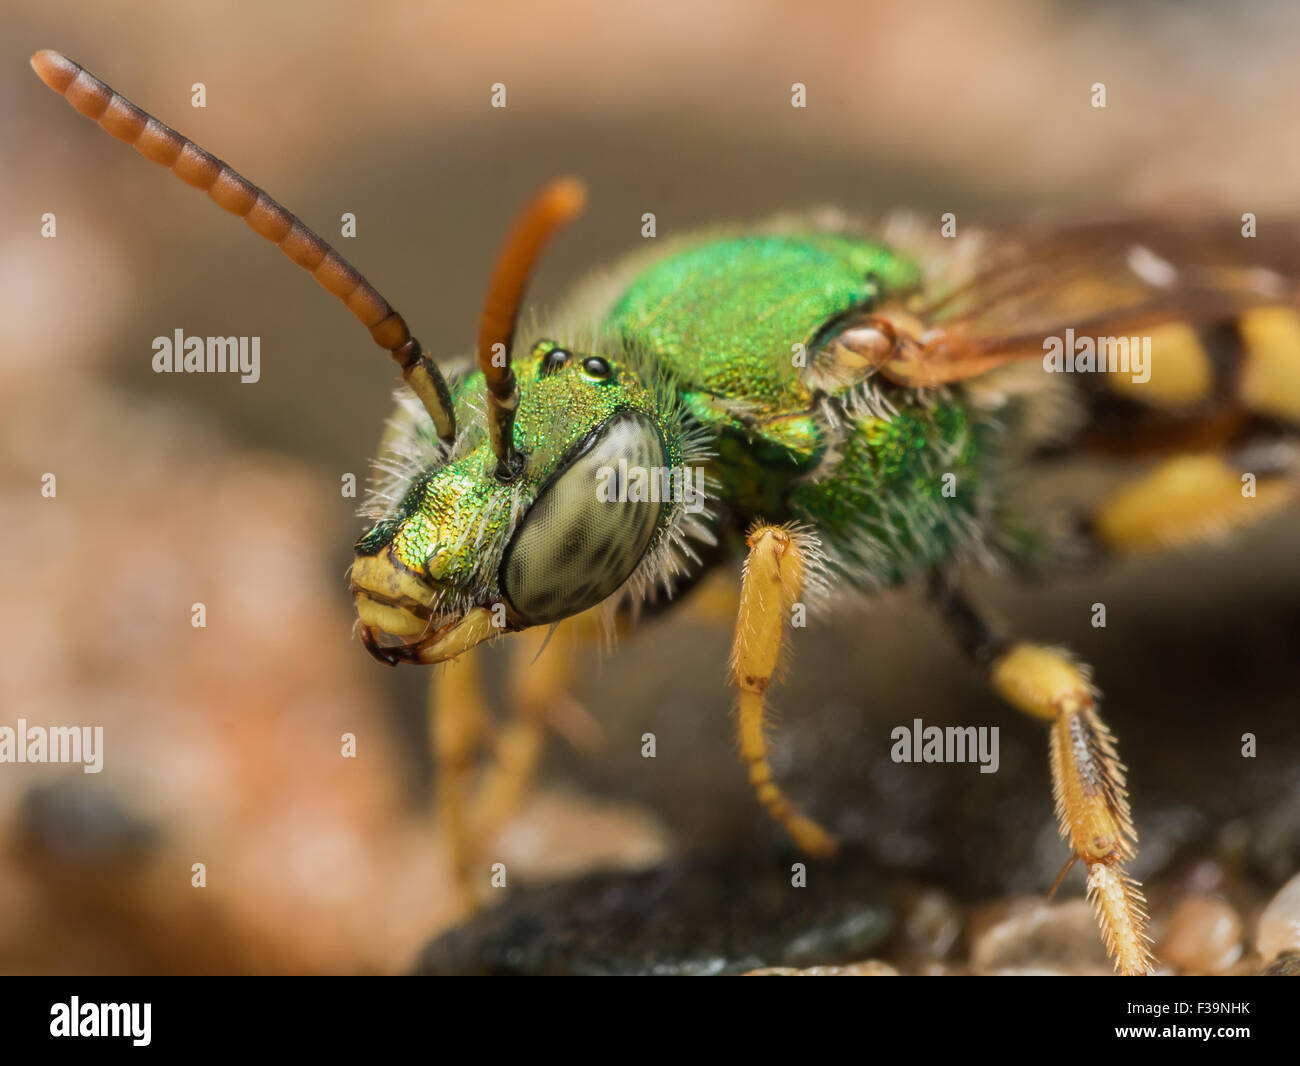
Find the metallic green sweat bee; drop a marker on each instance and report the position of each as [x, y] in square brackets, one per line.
[821, 408]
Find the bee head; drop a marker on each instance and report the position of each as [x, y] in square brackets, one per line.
[467, 553]
[528, 514]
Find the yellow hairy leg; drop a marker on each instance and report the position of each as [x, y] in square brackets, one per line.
[460, 725]
[457, 721]
[714, 601]
[539, 684]
[773, 579]
[1088, 782]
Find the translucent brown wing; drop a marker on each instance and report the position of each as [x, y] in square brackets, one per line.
[1100, 279]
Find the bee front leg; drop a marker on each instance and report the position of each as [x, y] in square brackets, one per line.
[538, 688]
[540, 680]
[1087, 775]
[457, 722]
[773, 579]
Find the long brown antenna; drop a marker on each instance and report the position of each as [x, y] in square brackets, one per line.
[557, 204]
[162, 144]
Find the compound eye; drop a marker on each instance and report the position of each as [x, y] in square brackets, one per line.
[555, 359]
[583, 537]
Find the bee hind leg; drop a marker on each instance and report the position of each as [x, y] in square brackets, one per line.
[1088, 778]
[773, 580]
[1195, 496]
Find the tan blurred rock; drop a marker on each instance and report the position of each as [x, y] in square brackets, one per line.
[1279, 925]
[870, 968]
[222, 744]
[559, 835]
[1203, 936]
[1041, 938]
[932, 922]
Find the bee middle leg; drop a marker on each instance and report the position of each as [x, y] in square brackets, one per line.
[1088, 779]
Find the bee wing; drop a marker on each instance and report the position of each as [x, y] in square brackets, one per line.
[1099, 279]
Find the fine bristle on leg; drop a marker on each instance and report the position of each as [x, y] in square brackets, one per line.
[1088, 779]
[1091, 796]
[773, 580]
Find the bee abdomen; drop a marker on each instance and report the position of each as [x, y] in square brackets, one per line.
[1251, 363]
[1196, 386]
[1269, 379]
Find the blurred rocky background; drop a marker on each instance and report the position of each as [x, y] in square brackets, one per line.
[223, 744]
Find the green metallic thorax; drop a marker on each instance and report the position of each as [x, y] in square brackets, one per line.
[725, 316]
[725, 319]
